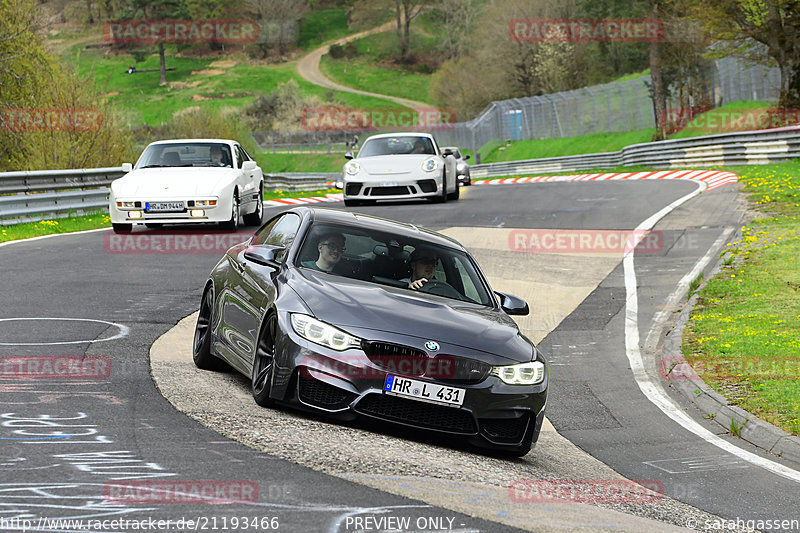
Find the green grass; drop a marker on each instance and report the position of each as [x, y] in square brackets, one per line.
[26, 230]
[744, 333]
[373, 70]
[587, 144]
[737, 116]
[209, 83]
[322, 25]
[100, 219]
[274, 163]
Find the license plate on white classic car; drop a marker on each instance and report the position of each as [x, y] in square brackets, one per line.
[163, 207]
[424, 391]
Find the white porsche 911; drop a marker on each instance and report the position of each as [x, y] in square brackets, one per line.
[188, 181]
[398, 166]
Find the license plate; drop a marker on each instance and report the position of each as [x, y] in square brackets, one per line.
[424, 391]
[163, 206]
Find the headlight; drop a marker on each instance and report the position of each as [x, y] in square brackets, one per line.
[522, 374]
[430, 165]
[319, 332]
[205, 203]
[352, 168]
[126, 205]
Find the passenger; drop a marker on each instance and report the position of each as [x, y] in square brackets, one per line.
[330, 248]
[423, 267]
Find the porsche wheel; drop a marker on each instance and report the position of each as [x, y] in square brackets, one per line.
[233, 223]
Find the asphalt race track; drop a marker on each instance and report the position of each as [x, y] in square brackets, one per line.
[74, 447]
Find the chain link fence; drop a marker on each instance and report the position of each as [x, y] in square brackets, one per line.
[609, 108]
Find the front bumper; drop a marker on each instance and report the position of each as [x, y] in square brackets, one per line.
[369, 188]
[349, 385]
[221, 212]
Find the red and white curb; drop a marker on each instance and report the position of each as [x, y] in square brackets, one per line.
[333, 197]
[714, 178]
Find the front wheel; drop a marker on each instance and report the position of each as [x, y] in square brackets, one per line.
[442, 198]
[455, 194]
[264, 362]
[233, 223]
[122, 228]
[352, 203]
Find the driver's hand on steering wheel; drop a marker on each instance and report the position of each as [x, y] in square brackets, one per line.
[417, 284]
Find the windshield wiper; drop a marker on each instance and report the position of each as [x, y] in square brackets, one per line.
[152, 166]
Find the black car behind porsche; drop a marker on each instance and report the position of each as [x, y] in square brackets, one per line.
[358, 342]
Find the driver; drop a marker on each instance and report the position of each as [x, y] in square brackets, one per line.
[423, 267]
[330, 248]
[217, 157]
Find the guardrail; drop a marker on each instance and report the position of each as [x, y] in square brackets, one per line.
[42, 194]
[745, 148]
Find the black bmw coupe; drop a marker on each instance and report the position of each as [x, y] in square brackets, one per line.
[358, 316]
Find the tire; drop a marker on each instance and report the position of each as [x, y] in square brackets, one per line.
[455, 194]
[352, 203]
[233, 223]
[122, 228]
[154, 225]
[264, 362]
[255, 218]
[201, 347]
[442, 198]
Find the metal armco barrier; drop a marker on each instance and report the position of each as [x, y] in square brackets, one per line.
[745, 148]
[42, 194]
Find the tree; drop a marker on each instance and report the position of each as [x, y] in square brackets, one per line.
[456, 18]
[405, 12]
[156, 10]
[657, 89]
[278, 20]
[773, 25]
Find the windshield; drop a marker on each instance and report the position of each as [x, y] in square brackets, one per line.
[389, 259]
[397, 146]
[186, 155]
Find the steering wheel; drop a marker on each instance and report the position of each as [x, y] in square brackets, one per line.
[440, 288]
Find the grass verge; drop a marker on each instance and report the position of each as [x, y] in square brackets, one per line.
[100, 219]
[743, 336]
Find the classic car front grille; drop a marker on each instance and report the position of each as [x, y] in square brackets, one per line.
[320, 394]
[510, 430]
[421, 414]
[427, 185]
[388, 191]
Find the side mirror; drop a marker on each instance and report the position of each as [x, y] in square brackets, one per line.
[247, 166]
[466, 157]
[349, 155]
[264, 254]
[447, 152]
[512, 305]
[127, 167]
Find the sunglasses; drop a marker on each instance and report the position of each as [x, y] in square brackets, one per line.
[333, 246]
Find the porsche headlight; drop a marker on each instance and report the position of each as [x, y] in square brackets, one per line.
[319, 332]
[352, 168]
[522, 374]
[430, 165]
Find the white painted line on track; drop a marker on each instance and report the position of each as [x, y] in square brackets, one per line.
[653, 390]
[29, 239]
[123, 331]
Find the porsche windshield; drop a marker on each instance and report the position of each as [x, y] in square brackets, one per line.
[400, 145]
[186, 155]
[393, 260]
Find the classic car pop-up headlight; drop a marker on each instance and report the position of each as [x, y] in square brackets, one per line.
[352, 168]
[319, 332]
[521, 374]
[430, 165]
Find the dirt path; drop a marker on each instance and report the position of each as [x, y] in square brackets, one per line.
[308, 68]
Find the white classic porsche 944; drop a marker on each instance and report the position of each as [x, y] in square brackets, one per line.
[398, 166]
[188, 181]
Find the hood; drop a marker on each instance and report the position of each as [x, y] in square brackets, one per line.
[391, 165]
[181, 181]
[356, 304]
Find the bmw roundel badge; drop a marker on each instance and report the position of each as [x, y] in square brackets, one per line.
[432, 346]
